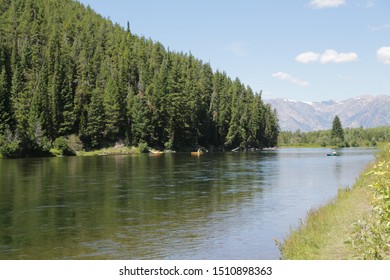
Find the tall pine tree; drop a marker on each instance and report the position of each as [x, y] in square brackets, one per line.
[337, 133]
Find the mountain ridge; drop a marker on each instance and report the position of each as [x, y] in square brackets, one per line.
[362, 111]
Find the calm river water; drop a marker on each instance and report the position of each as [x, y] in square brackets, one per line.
[173, 206]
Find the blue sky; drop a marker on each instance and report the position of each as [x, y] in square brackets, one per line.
[309, 50]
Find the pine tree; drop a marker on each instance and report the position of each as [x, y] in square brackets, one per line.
[203, 118]
[337, 133]
[68, 89]
[141, 125]
[5, 94]
[232, 137]
[94, 132]
[112, 109]
[256, 125]
[159, 98]
[271, 130]
[41, 102]
[20, 101]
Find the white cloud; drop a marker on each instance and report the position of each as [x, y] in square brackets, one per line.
[327, 57]
[238, 48]
[320, 4]
[378, 27]
[332, 56]
[383, 54]
[307, 57]
[292, 79]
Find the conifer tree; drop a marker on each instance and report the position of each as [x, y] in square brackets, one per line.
[5, 94]
[141, 125]
[95, 127]
[20, 101]
[337, 133]
[271, 130]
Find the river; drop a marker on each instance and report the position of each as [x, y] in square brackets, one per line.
[172, 206]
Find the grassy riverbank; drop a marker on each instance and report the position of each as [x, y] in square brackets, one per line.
[110, 151]
[99, 152]
[348, 227]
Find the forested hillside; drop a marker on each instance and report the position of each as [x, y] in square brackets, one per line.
[66, 72]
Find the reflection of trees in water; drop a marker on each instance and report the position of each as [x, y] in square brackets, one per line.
[79, 207]
[338, 170]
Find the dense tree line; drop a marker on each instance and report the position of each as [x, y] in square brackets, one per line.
[352, 137]
[66, 71]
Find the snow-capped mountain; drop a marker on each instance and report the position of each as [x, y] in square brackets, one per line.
[365, 111]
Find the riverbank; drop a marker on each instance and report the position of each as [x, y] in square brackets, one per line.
[347, 227]
[111, 151]
[316, 145]
[115, 150]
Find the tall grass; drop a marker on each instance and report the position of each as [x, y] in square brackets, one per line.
[371, 236]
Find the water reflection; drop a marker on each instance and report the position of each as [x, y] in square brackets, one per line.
[218, 206]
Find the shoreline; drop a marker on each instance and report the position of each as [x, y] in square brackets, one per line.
[123, 150]
[330, 231]
[131, 150]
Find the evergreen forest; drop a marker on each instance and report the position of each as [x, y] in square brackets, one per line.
[69, 75]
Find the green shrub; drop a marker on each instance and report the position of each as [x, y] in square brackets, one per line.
[61, 144]
[10, 144]
[9, 149]
[75, 143]
[55, 152]
[143, 147]
[371, 237]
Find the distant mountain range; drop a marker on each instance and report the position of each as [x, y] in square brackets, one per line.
[365, 111]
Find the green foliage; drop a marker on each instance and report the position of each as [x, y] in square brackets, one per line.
[337, 133]
[74, 143]
[67, 146]
[94, 132]
[141, 125]
[371, 237]
[10, 144]
[143, 147]
[65, 70]
[353, 137]
[61, 144]
[5, 102]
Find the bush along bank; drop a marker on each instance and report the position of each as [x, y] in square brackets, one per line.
[355, 225]
[371, 235]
